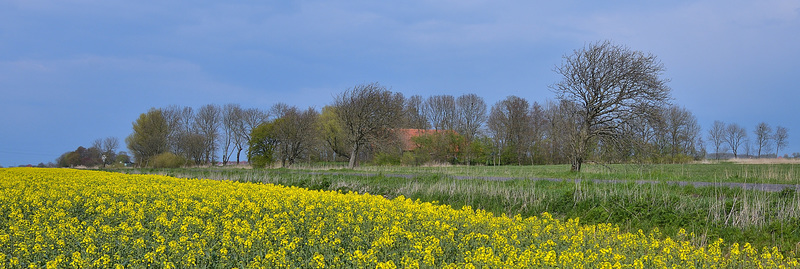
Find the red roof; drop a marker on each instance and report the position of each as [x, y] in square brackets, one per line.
[406, 135]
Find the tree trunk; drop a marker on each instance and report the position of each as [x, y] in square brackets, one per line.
[353, 157]
[576, 164]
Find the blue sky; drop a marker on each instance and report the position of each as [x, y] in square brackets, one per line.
[72, 71]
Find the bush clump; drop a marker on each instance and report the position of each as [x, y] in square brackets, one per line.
[168, 160]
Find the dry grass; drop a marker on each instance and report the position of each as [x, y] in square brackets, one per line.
[766, 161]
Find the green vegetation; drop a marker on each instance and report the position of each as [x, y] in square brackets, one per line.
[736, 215]
[716, 172]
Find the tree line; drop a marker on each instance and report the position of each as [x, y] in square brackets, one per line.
[612, 105]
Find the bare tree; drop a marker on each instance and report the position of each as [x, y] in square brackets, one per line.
[441, 111]
[414, 113]
[251, 118]
[680, 131]
[562, 119]
[232, 121]
[295, 131]
[471, 115]
[510, 125]
[763, 137]
[365, 111]
[716, 135]
[781, 139]
[207, 123]
[748, 147]
[538, 121]
[608, 82]
[734, 136]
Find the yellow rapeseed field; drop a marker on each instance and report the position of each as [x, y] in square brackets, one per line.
[61, 218]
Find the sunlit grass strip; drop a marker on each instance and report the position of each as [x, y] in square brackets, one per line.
[70, 218]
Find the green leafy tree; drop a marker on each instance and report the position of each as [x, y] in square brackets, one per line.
[149, 137]
[330, 130]
[262, 144]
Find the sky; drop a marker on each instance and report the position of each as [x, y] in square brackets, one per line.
[72, 71]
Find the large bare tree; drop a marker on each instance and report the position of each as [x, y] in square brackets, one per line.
[608, 82]
[365, 111]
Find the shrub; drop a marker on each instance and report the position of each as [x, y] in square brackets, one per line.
[168, 160]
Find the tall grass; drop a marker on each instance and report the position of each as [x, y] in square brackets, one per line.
[719, 172]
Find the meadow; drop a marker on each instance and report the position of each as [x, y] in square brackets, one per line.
[59, 218]
[723, 172]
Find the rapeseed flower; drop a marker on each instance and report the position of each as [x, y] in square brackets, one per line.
[71, 218]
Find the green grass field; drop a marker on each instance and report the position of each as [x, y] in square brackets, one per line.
[736, 215]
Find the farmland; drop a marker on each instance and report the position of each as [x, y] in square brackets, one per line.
[764, 219]
[72, 218]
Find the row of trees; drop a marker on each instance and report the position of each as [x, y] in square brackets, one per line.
[195, 136]
[102, 152]
[612, 106]
[733, 138]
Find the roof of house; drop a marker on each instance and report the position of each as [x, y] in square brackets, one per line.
[406, 135]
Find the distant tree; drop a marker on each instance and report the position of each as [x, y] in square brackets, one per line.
[763, 139]
[107, 146]
[149, 137]
[471, 115]
[331, 131]
[365, 112]
[781, 138]
[716, 135]
[295, 132]
[179, 121]
[680, 131]
[192, 147]
[207, 123]
[110, 144]
[251, 118]
[539, 126]
[441, 147]
[748, 148]
[441, 111]
[262, 144]
[414, 113]
[123, 158]
[510, 125]
[608, 82]
[232, 121]
[734, 136]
